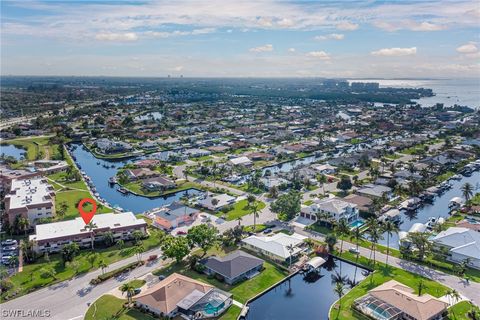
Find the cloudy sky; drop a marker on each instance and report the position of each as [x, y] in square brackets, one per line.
[251, 38]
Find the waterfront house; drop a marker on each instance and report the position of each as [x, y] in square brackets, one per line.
[196, 153]
[394, 300]
[325, 168]
[279, 247]
[332, 208]
[140, 173]
[181, 296]
[240, 161]
[158, 184]
[216, 202]
[32, 199]
[174, 215]
[51, 237]
[375, 191]
[461, 244]
[363, 203]
[235, 267]
[108, 146]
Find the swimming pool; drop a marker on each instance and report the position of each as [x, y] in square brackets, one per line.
[357, 224]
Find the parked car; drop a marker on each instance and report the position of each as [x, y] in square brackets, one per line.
[161, 277]
[9, 242]
[181, 232]
[267, 231]
[137, 291]
[354, 250]
[153, 257]
[9, 248]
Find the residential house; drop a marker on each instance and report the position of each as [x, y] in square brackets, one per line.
[331, 208]
[240, 161]
[375, 191]
[174, 215]
[235, 267]
[394, 300]
[279, 247]
[463, 244]
[107, 146]
[158, 184]
[216, 202]
[181, 296]
[140, 173]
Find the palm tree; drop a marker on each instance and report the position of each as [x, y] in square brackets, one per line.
[92, 257]
[129, 289]
[421, 286]
[90, 226]
[239, 219]
[356, 235]
[103, 266]
[421, 242]
[290, 250]
[454, 295]
[23, 224]
[374, 235]
[138, 251]
[255, 215]
[323, 179]
[390, 228]
[467, 191]
[331, 241]
[342, 229]
[339, 291]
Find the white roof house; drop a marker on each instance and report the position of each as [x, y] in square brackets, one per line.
[240, 161]
[276, 245]
[463, 243]
[220, 200]
[334, 207]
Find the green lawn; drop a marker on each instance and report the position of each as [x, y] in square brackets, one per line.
[382, 274]
[241, 209]
[110, 307]
[136, 187]
[31, 278]
[232, 313]
[137, 283]
[460, 311]
[71, 198]
[258, 228]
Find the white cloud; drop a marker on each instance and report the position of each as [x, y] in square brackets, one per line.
[177, 68]
[111, 36]
[322, 55]
[408, 25]
[331, 36]
[395, 52]
[178, 33]
[470, 47]
[347, 26]
[285, 23]
[291, 50]
[265, 48]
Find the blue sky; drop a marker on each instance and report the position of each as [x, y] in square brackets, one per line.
[241, 38]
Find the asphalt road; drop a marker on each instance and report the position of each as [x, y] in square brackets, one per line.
[69, 300]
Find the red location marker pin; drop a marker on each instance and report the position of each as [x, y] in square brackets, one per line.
[87, 216]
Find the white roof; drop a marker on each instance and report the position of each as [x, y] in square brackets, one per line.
[29, 192]
[277, 244]
[77, 226]
[333, 205]
[461, 240]
[223, 199]
[316, 262]
[457, 200]
[240, 160]
[418, 227]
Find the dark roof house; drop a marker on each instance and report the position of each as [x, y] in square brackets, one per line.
[234, 267]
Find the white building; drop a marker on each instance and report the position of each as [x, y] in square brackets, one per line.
[216, 202]
[334, 208]
[279, 247]
[31, 198]
[462, 244]
[51, 237]
[241, 161]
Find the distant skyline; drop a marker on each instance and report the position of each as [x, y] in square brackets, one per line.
[345, 39]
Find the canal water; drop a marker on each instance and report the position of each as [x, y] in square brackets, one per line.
[439, 207]
[304, 297]
[100, 171]
[13, 151]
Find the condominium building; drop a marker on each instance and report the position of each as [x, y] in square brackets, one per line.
[30, 198]
[51, 237]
